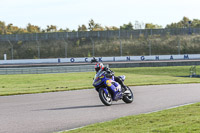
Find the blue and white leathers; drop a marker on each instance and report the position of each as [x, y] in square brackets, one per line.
[110, 90]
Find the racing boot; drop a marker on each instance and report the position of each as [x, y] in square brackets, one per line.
[124, 88]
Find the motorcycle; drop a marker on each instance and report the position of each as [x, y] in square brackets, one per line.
[110, 90]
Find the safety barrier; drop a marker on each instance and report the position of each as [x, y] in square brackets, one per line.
[51, 69]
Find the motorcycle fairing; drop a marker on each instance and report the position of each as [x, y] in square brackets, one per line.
[114, 88]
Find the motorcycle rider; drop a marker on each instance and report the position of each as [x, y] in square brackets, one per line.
[109, 73]
[94, 60]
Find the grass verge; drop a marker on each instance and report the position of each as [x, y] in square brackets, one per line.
[40, 83]
[185, 119]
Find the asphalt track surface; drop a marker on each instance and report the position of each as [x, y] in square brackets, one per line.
[58, 111]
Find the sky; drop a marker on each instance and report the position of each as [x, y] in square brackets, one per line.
[71, 13]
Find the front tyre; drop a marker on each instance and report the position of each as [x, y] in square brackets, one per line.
[128, 97]
[105, 98]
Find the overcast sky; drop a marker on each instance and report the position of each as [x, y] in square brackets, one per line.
[71, 13]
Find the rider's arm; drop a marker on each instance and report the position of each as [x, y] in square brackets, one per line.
[109, 72]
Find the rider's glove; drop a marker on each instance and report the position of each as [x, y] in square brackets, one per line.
[109, 73]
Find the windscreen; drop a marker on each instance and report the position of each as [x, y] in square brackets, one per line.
[99, 73]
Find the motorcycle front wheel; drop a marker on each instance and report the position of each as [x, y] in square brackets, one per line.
[128, 98]
[105, 98]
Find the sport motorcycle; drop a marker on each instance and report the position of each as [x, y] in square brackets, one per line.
[110, 90]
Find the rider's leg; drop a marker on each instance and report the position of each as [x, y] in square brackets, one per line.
[117, 79]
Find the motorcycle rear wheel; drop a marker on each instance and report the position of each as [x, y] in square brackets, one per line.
[105, 98]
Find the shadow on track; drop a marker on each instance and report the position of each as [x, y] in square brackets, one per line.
[77, 107]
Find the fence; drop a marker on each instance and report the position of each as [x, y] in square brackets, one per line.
[42, 70]
[98, 34]
[100, 43]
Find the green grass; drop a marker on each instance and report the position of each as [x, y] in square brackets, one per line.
[184, 119]
[157, 75]
[39, 83]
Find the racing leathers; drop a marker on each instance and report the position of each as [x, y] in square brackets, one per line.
[110, 73]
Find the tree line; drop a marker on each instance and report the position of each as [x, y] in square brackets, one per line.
[93, 26]
[84, 47]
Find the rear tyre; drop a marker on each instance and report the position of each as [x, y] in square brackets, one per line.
[128, 98]
[105, 98]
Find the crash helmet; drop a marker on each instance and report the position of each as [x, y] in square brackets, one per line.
[99, 66]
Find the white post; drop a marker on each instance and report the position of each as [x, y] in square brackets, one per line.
[5, 57]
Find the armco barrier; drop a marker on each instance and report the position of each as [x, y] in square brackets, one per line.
[90, 68]
[156, 64]
[42, 70]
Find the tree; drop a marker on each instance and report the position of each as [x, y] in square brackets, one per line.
[91, 25]
[195, 23]
[14, 29]
[128, 26]
[67, 30]
[94, 26]
[51, 28]
[185, 21]
[82, 28]
[111, 28]
[139, 25]
[152, 26]
[98, 27]
[64, 30]
[2, 27]
[33, 28]
[181, 24]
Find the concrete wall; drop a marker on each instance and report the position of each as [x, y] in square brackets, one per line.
[104, 59]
